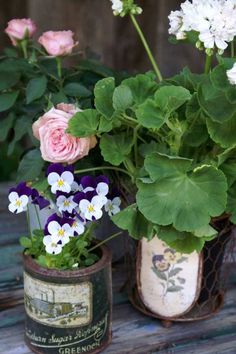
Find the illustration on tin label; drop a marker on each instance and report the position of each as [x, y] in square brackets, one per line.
[59, 305]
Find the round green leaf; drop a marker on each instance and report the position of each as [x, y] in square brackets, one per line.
[150, 115]
[223, 134]
[142, 86]
[103, 92]
[122, 98]
[170, 98]
[115, 148]
[187, 199]
[84, 123]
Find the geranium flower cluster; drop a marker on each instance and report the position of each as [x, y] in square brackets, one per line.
[213, 20]
[74, 204]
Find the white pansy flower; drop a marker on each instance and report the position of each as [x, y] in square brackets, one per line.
[231, 74]
[66, 204]
[112, 207]
[52, 245]
[117, 6]
[92, 210]
[18, 204]
[64, 232]
[78, 227]
[61, 182]
[102, 190]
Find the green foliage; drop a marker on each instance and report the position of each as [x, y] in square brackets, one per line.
[30, 166]
[35, 88]
[115, 148]
[103, 93]
[7, 100]
[84, 123]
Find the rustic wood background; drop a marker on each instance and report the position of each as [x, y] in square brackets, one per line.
[114, 39]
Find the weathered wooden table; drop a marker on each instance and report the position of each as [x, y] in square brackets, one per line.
[132, 332]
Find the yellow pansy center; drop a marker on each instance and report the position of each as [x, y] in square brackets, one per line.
[61, 232]
[60, 182]
[91, 208]
[66, 203]
[18, 202]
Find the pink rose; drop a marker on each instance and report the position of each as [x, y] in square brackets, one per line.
[19, 29]
[58, 43]
[55, 144]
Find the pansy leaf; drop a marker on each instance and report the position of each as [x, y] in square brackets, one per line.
[84, 123]
[134, 222]
[179, 196]
[122, 98]
[7, 100]
[25, 242]
[103, 92]
[30, 166]
[36, 88]
[224, 134]
[142, 86]
[115, 148]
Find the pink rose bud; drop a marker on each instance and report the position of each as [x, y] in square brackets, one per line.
[19, 29]
[55, 144]
[58, 43]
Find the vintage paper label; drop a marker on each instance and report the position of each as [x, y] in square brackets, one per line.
[58, 305]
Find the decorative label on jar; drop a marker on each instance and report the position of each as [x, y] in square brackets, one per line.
[58, 305]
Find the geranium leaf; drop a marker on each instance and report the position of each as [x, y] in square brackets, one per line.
[115, 148]
[134, 222]
[122, 98]
[224, 134]
[103, 92]
[187, 199]
[84, 123]
[170, 98]
[142, 86]
[150, 115]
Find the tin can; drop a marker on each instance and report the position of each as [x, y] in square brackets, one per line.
[68, 312]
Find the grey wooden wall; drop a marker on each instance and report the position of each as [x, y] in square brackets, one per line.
[114, 39]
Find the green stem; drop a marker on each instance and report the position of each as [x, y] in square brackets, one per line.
[103, 168]
[37, 215]
[232, 49]
[23, 45]
[104, 241]
[135, 141]
[28, 221]
[59, 68]
[208, 64]
[147, 48]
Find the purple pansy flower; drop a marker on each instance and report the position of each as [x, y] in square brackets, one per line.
[59, 226]
[39, 199]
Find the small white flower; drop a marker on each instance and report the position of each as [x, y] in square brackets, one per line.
[51, 243]
[92, 210]
[75, 187]
[112, 207]
[66, 204]
[64, 232]
[61, 183]
[231, 74]
[78, 227]
[117, 6]
[18, 204]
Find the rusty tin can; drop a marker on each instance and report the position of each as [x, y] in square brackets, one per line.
[68, 312]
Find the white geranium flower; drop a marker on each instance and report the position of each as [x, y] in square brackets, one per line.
[18, 204]
[92, 210]
[112, 207]
[52, 245]
[231, 74]
[64, 232]
[214, 20]
[61, 182]
[117, 6]
[78, 227]
[66, 204]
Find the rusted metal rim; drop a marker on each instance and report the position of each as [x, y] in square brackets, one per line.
[33, 267]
